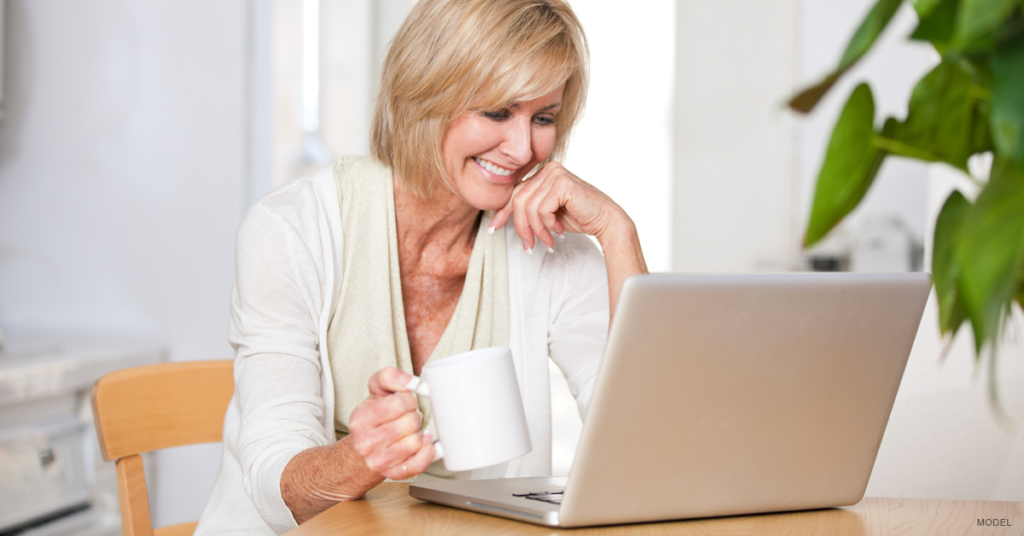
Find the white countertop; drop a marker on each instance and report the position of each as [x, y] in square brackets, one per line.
[48, 365]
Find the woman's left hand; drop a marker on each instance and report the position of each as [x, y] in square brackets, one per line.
[555, 200]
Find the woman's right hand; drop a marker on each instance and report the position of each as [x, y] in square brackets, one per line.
[385, 428]
[384, 442]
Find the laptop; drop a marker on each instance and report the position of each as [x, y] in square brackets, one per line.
[726, 395]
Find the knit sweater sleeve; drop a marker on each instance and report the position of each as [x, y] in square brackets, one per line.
[275, 312]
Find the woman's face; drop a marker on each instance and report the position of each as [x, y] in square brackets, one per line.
[488, 152]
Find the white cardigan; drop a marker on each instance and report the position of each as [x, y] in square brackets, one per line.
[287, 278]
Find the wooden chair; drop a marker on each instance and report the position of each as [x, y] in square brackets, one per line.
[154, 407]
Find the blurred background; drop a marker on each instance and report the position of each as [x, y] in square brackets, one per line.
[135, 135]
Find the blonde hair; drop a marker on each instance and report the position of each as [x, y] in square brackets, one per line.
[450, 56]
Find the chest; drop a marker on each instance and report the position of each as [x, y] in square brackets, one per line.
[430, 297]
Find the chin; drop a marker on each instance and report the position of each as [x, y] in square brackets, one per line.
[495, 205]
[491, 200]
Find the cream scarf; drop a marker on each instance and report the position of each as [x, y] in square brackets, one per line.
[367, 331]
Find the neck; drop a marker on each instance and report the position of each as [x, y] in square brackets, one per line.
[442, 223]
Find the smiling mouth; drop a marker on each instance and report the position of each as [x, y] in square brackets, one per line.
[494, 168]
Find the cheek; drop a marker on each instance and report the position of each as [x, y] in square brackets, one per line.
[462, 139]
[543, 143]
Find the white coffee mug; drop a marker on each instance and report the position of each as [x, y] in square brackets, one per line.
[478, 412]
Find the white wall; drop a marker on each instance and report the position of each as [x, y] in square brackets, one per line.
[622, 145]
[734, 181]
[354, 35]
[122, 163]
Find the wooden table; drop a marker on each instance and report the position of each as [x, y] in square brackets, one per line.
[388, 509]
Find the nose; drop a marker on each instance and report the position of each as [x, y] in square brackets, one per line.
[518, 145]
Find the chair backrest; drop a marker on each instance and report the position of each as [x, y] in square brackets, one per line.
[153, 407]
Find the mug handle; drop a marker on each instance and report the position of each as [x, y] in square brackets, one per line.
[418, 386]
[421, 388]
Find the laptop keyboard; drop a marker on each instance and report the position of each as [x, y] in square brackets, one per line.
[553, 497]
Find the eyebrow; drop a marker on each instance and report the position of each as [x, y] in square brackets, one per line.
[515, 105]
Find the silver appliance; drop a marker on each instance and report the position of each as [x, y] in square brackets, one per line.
[52, 480]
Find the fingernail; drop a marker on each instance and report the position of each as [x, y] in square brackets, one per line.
[550, 249]
[428, 437]
[490, 229]
[526, 245]
[560, 235]
[413, 383]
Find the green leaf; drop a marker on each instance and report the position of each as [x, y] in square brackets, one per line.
[977, 19]
[1008, 101]
[937, 26]
[981, 73]
[925, 8]
[863, 39]
[991, 251]
[1011, 29]
[981, 136]
[866, 35]
[946, 262]
[851, 163]
[941, 113]
[806, 100]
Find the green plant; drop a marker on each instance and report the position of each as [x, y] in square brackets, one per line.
[971, 102]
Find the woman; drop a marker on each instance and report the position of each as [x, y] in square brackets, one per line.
[347, 283]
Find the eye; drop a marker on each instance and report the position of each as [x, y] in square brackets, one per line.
[544, 120]
[499, 115]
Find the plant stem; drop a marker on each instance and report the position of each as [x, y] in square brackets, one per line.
[899, 148]
[902, 149]
[980, 93]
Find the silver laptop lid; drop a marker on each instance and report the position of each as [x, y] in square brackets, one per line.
[726, 395]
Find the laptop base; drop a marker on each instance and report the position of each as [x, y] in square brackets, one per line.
[497, 497]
